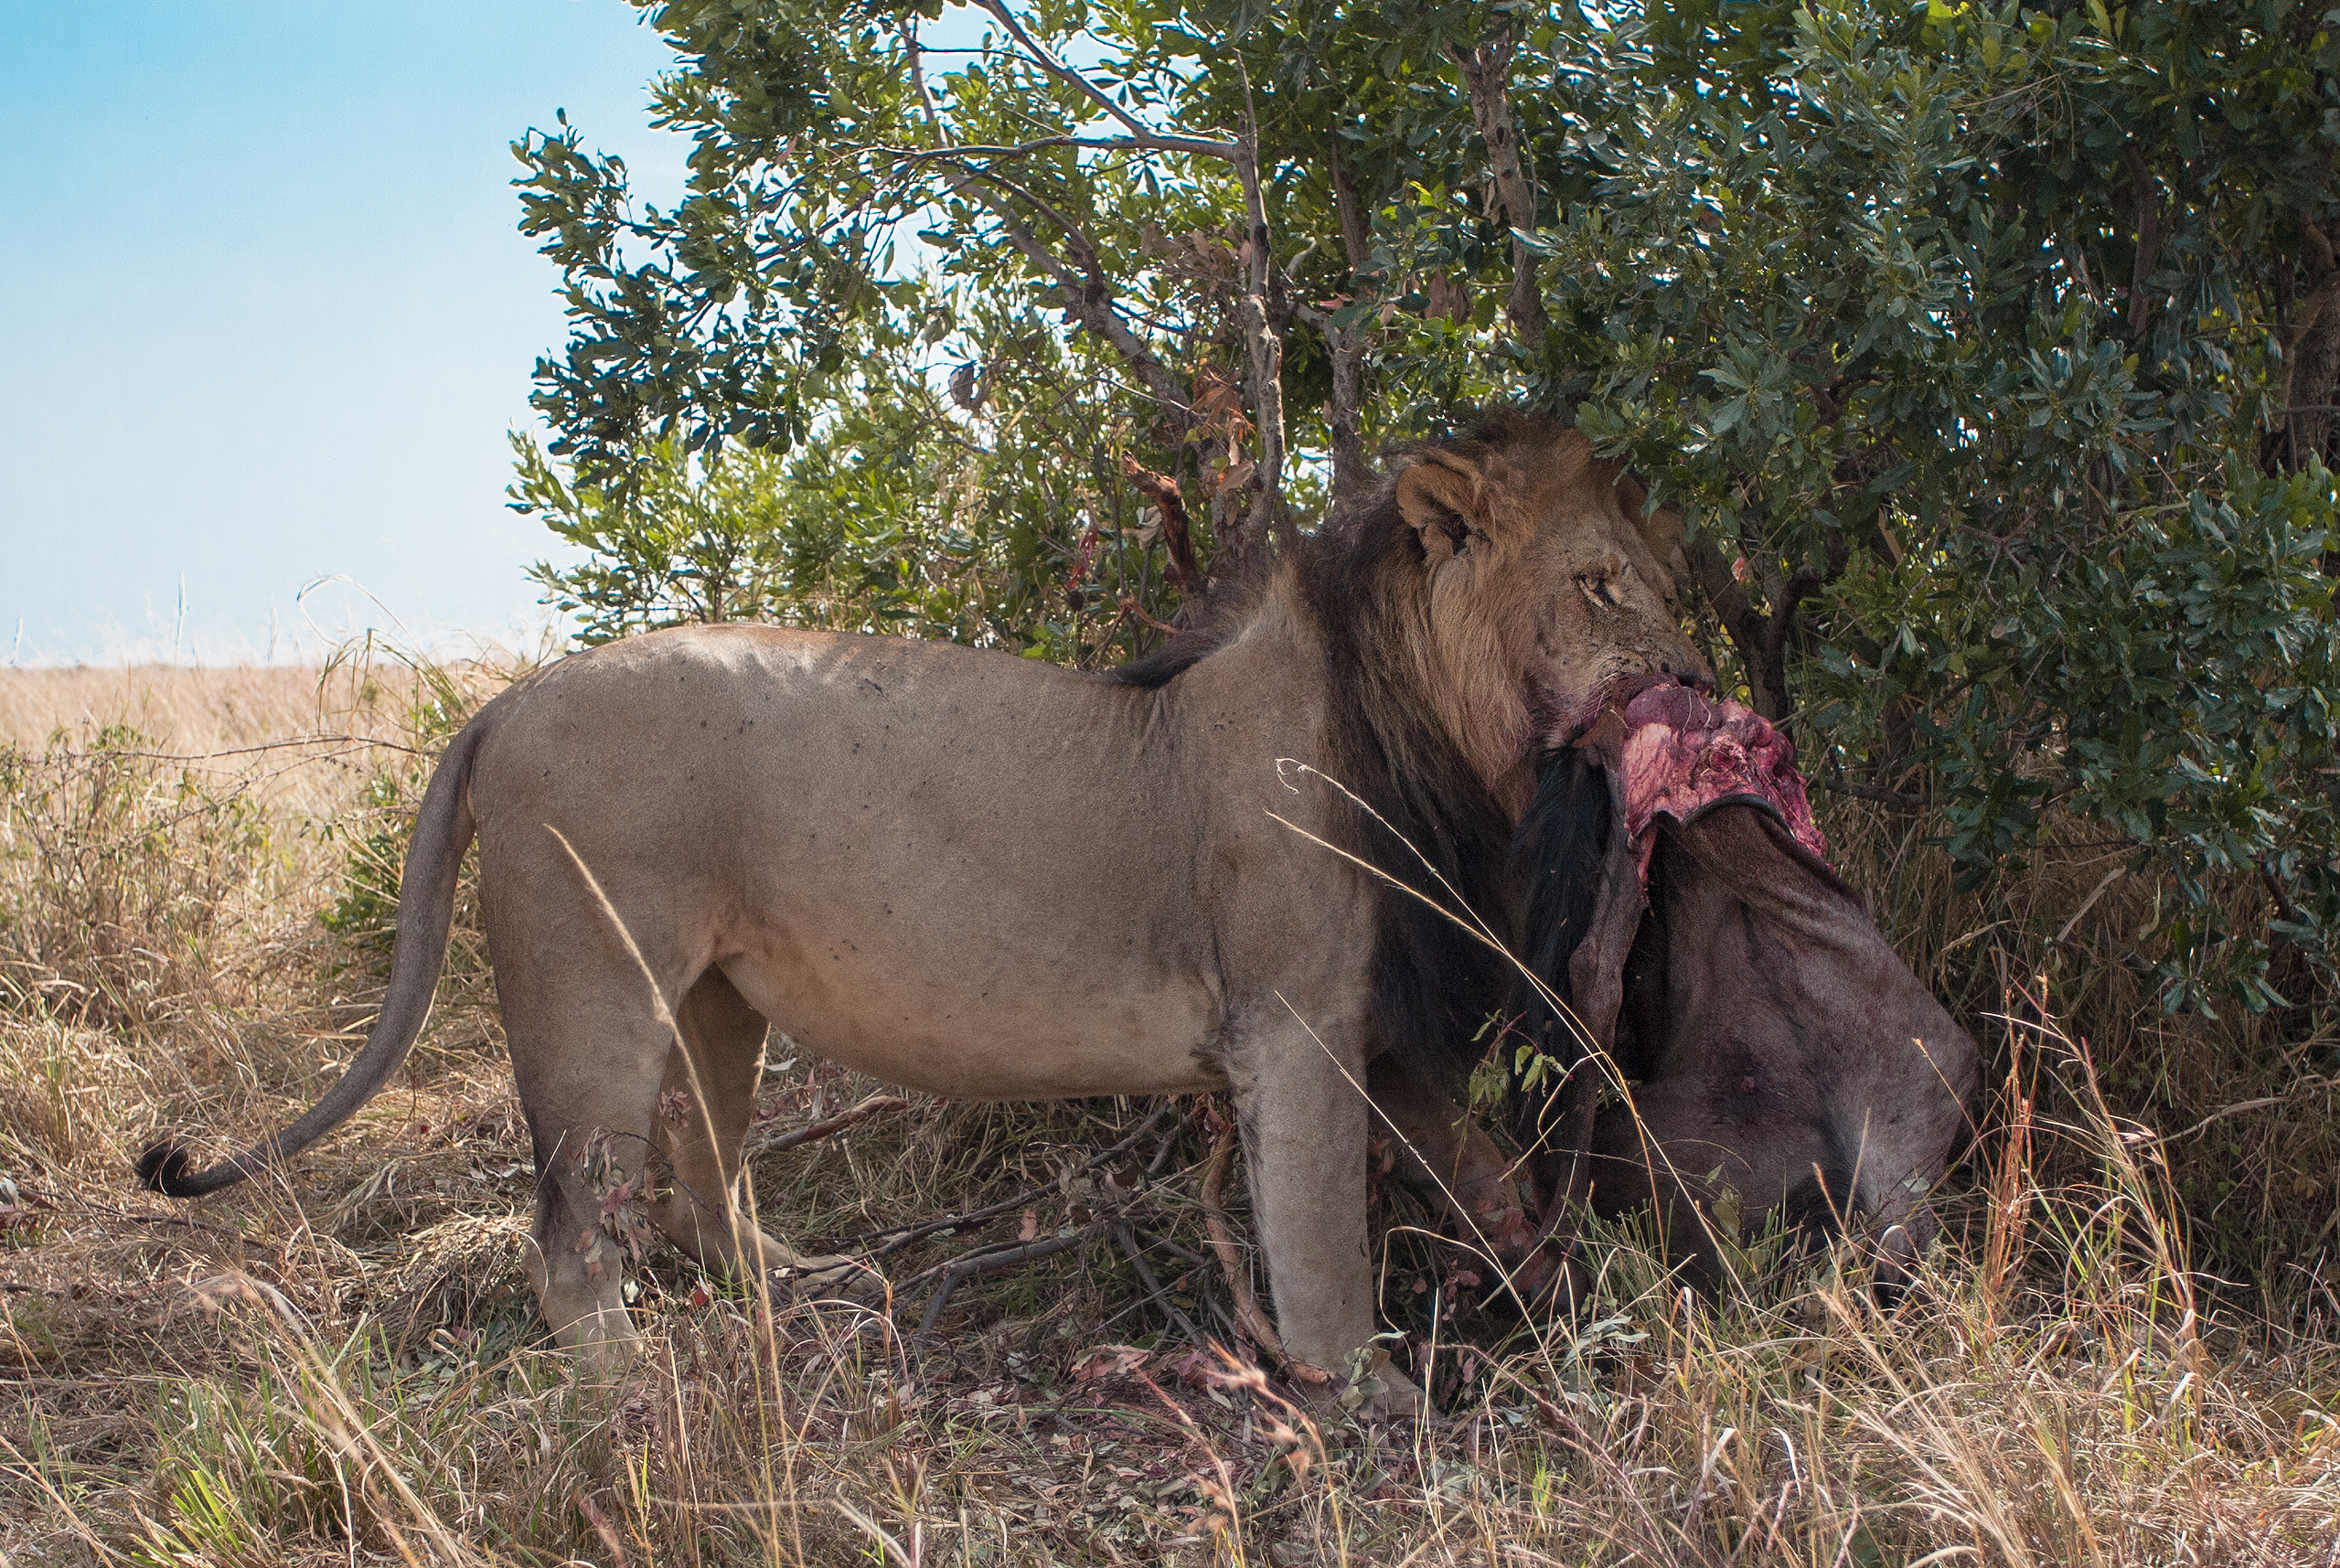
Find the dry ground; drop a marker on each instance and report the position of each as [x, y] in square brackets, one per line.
[2124, 1356]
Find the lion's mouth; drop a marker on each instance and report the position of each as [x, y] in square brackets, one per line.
[1574, 726]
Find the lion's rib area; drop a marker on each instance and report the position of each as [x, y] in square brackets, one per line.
[959, 871]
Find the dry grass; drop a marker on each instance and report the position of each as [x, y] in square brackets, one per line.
[345, 1367]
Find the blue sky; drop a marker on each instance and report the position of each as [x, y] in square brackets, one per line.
[264, 317]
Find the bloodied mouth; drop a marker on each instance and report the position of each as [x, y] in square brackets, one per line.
[1681, 755]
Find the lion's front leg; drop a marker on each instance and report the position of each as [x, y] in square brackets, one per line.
[1303, 1113]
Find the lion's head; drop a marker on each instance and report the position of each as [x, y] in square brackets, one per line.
[1524, 580]
[1478, 609]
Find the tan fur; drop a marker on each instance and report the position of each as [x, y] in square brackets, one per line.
[1501, 646]
[985, 876]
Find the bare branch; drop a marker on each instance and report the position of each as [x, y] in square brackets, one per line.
[1268, 513]
[1877, 792]
[1142, 133]
[875, 1105]
[965, 1269]
[1486, 72]
[901, 1235]
[1086, 296]
[1013, 149]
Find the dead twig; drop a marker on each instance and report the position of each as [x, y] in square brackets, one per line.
[296, 742]
[953, 1274]
[1877, 792]
[903, 1235]
[1125, 1234]
[1132, 608]
[1113, 1215]
[1178, 534]
[875, 1105]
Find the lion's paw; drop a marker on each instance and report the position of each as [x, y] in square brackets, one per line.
[1376, 1391]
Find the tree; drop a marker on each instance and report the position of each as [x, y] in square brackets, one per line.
[1990, 352]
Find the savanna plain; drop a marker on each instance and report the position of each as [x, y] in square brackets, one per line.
[2123, 1352]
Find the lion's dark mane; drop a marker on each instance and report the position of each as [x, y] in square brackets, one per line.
[1436, 985]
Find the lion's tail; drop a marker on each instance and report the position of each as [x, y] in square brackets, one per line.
[443, 830]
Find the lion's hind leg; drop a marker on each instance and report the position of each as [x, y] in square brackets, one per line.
[588, 1079]
[705, 1104]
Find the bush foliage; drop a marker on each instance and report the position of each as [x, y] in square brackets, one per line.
[1991, 351]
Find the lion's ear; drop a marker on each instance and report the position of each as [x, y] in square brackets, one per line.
[1442, 503]
[1661, 531]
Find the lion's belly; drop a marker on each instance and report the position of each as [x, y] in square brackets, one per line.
[973, 1025]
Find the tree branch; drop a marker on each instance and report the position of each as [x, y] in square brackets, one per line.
[2310, 344]
[1086, 299]
[1177, 538]
[2150, 228]
[1139, 131]
[1268, 514]
[1011, 149]
[1877, 792]
[1740, 618]
[1356, 233]
[1486, 72]
[1352, 474]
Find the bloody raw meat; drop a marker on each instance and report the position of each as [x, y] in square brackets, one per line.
[1684, 753]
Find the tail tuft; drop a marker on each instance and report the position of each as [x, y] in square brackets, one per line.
[165, 1167]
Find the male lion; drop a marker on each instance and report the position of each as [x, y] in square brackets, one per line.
[988, 878]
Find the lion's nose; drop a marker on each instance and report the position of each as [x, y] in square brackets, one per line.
[1695, 676]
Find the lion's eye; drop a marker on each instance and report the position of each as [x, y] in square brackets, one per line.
[1601, 589]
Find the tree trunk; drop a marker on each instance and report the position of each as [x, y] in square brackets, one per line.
[1269, 516]
[1762, 641]
[2310, 341]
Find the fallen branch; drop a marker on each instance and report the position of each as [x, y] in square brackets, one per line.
[954, 1274]
[1125, 1234]
[294, 743]
[1877, 792]
[2241, 1107]
[903, 1235]
[875, 1105]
